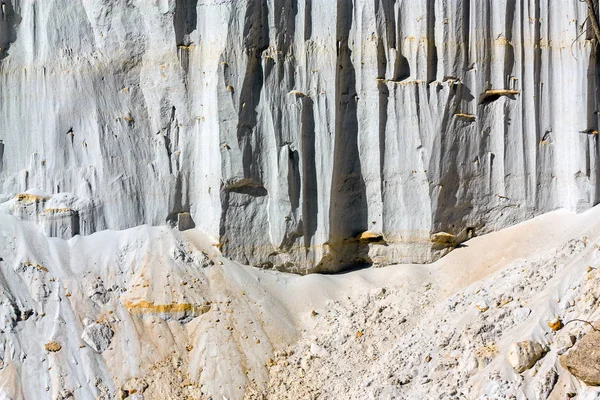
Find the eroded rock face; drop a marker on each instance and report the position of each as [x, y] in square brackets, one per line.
[583, 360]
[288, 128]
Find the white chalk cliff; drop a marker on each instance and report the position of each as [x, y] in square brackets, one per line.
[288, 128]
[153, 151]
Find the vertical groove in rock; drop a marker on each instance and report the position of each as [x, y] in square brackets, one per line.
[310, 204]
[287, 127]
[348, 205]
[185, 20]
[9, 20]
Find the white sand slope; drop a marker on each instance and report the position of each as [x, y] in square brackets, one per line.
[154, 313]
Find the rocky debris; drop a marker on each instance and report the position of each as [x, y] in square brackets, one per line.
[65, 394]
[97, 292]
[8, 315]
[520, 314]
[545, 383]
[443, 239]
[555, 323]
[97, 336]
[53, 346]
[442, 350]
[523, 355]
[420, 334]
[583, 359]
[185, 221]
[133, 387]
[167, 379]
[563, 342]
[482, 305]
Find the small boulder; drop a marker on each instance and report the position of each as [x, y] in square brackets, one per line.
[555, 323]
[133, 386]
[482, 305]
[521, 314]
[97, 336]
[523, 355]
[563, 342]
[545, 383]
[583, 360]
[443, 239]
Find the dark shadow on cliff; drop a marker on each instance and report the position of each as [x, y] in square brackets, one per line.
[256, 40]
[452, 206]
[348, 207]
[310, 201]
[9, 20]
[185, 20]
[247, 98]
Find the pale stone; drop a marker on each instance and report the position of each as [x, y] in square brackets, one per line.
[583, 360]
[97, 336]
[523, 355]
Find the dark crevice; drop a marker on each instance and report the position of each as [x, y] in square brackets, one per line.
[401, 68]
[432, 56]
[1, 155]
[466, 31]
[285, 12]
[310, 202]
[256, 40]
[592, 115]
[509, 56]
[389, 20]
[348, 215]
[9, 20]
[293, 178]
[384, 95]
[185, 21]
[308, 19]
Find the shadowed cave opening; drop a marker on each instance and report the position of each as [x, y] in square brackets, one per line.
[185, 21]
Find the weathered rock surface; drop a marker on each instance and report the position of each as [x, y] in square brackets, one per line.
[523, 355]
[189, 323]
[583, 360]
[286, 128]
[97, 336]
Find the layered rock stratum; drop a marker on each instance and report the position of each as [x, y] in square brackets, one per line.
[288, 128]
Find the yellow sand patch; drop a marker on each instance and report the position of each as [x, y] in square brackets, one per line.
[52, 346]
[144, 307]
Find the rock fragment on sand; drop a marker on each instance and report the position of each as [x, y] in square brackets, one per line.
[97, 336]
[555, 323]
[523, 355]
[545, 383]
[482, 305]
[53, 346]
[563, 342]
[583, 360]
